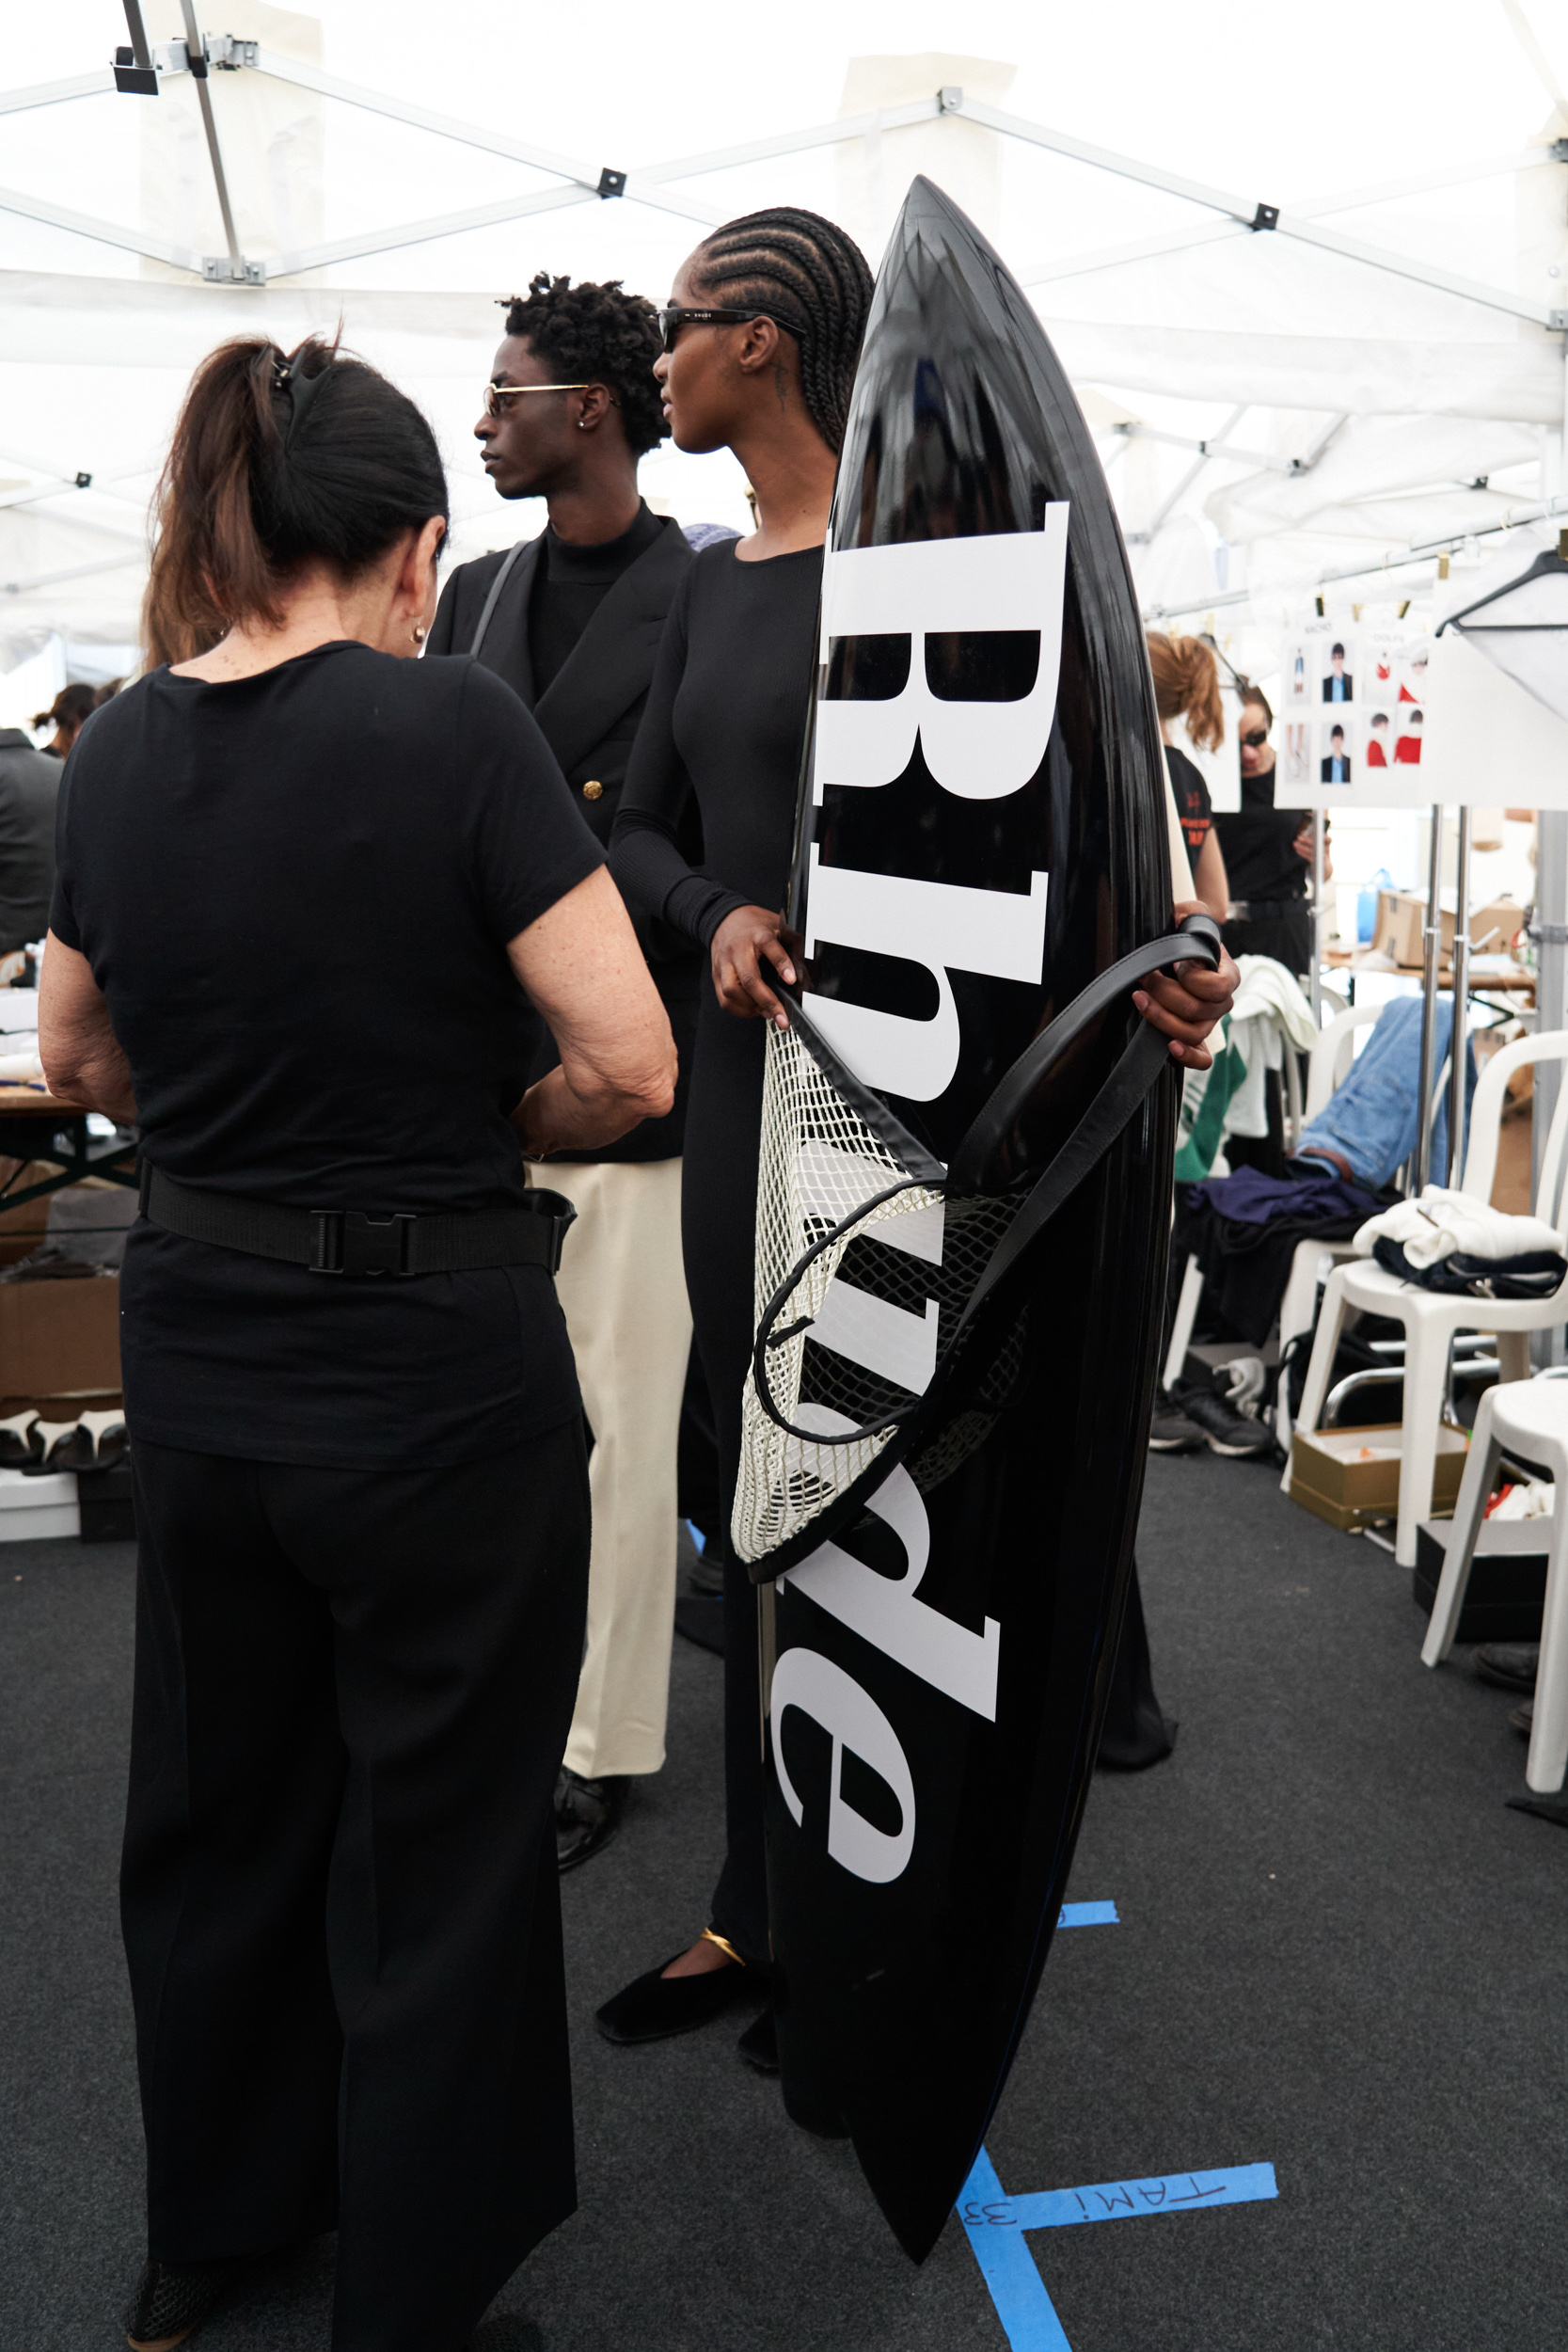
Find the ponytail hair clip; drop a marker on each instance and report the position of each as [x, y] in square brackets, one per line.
[288, 377]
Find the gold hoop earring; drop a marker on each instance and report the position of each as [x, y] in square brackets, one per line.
[418, 632]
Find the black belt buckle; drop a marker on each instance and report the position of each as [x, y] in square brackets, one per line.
[349, 1242]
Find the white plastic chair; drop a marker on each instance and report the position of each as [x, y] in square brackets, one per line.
[1431, 1318]
[1528, 1417]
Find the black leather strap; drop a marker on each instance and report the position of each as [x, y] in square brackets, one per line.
[1135, 1075]
[356, 1243]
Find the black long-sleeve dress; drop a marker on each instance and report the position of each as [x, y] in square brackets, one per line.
[725, 722]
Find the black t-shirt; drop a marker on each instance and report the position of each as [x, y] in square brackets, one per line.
[296, 892]
[1255, 841]
[1192, 799]
[569, 585]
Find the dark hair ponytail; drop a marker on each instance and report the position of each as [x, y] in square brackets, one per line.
[812, 279]
[278, 462]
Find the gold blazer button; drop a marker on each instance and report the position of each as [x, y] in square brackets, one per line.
[591, 791]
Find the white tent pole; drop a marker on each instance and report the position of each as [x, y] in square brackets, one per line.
[1418, 551]
[1351, 201]
[104, 232]
[15, 102]
[1215, 447]
[1137, 431]
[1257, 216]
[1431, 939]
[422, 231]
[72, 571]
[281, 68]
[796, 142]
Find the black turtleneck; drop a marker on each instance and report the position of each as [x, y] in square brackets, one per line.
[568, 586]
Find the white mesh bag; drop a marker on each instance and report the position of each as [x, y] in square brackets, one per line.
[872, 1263]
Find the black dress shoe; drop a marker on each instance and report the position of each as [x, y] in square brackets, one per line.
[1512, 1665]
[759, 2044]
[587, 1815]
[1522, 1718]
[172, 2300]
[700, 1616]
[654, 2007]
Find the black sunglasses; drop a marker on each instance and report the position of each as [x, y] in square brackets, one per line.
[676, 315]
[1256, 740]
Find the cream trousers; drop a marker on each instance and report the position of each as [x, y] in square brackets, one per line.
[623, 1291]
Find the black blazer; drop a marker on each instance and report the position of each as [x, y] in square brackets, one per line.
[29, 781]
[588, 717]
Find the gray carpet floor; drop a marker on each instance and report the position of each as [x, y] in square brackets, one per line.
[1338, 1954]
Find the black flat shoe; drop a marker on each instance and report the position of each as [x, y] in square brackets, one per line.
[587, 1815]
[759, 2044]
[654, 2007]
[172, 2300]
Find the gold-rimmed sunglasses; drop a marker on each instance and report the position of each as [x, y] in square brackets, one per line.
[495, 393]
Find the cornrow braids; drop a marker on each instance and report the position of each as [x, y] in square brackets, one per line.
[813, 281]
[597, 334]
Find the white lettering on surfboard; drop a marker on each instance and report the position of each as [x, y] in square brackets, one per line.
[976, 751]
[886, 1609]
[1005, 581]
[805, 1679]
[944, 926]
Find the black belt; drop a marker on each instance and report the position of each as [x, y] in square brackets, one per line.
[358, 1243]
[1264, 910]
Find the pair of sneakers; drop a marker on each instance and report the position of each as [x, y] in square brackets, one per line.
[1206, 1412]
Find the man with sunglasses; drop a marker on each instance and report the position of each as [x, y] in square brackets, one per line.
[572, 621]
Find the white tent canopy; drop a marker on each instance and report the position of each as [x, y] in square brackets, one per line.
[1282, 388]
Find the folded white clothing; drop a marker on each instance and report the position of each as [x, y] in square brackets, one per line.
[1445, 1224]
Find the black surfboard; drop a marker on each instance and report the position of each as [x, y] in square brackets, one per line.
[982, 831]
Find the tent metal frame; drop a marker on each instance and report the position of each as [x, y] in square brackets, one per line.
[579, 183]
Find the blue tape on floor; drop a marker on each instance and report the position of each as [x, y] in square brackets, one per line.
[1114, 2200]
[995, 2224]
[1089, 1915]
[1007, 2266]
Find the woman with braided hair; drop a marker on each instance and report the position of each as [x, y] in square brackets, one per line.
[761, 338]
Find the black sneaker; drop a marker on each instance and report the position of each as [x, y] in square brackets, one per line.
[1512, 1665]
[1171, 1431]
[587, 1815]
[1230, 1433]
[172, 2300]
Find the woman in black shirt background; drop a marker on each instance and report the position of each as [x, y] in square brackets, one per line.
[1268, 854]
[304, 881]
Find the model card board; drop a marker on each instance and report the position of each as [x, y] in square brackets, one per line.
[982, 831]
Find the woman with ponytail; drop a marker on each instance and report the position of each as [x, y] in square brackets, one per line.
[1187, 696]
[305, 881]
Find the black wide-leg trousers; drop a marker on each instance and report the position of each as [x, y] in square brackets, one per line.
[340, 1897]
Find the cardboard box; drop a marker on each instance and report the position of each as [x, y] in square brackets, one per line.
[60, 1338]
[1399, 917]
[1351, 1477]
[1495, 928]
[1507, 1589]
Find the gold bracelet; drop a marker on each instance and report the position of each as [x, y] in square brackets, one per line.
[710, 1936]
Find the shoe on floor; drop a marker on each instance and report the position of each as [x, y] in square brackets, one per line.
[759, 2044]
[654, 2007]
[587, 1815]
[1522, 1718]
[1232, 1434]
[171, 2301]
[1171, 1432]
[1512, 1665]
